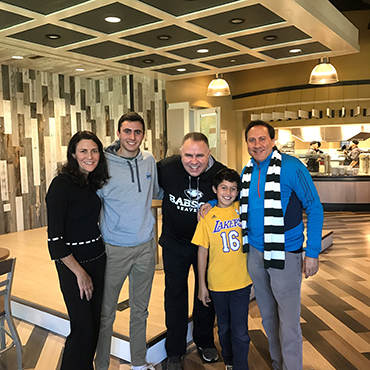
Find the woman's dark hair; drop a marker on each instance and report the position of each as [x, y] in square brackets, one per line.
[226, 174]
[96, 178]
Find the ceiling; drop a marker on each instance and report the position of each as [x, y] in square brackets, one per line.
[162, 38]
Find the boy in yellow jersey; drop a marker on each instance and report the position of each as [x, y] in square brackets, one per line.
[219, 237]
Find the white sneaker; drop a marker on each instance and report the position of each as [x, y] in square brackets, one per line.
[229, 367]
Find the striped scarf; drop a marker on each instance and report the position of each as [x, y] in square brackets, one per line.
[274, 238]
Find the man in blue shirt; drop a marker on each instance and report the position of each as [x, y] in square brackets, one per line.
[275, 190]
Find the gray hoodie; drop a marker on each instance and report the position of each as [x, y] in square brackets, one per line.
[126, 219]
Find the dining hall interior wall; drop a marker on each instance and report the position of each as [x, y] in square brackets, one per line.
[236, 113]
[194, 91]
[350, 68]
[40, 111]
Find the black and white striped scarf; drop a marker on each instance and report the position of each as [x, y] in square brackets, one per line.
[274, 238]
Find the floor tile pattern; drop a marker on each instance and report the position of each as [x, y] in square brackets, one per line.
[335, 314]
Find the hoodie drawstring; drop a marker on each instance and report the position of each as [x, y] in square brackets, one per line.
[132, 172]
[137, 174]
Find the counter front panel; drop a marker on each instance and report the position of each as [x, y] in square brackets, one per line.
[343, 193]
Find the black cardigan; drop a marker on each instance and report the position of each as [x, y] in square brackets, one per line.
[73, 214]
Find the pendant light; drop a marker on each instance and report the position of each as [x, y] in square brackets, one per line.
[323, 73]
[218, 87]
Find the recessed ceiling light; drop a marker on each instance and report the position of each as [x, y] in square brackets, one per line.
[53, 36]
[293, 51]
[270, 38]
[237, 20]
[164, 37]
[17, 57]
[112, 19]
[148, 61]
[202, 51]
[80, 69]
[181, 69]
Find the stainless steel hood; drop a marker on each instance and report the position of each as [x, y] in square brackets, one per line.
[362, 136]
[332, 133]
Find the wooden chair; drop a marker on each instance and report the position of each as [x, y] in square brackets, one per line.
[6, 280]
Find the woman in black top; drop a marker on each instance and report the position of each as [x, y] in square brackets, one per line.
[76, 246]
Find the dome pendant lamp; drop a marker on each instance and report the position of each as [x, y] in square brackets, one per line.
[323, 73]
[218, 87]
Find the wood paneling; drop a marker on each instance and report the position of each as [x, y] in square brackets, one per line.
[39, 113]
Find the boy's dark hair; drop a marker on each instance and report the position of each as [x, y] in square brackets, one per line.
[270, 129]
[132, 116]
[226, 174]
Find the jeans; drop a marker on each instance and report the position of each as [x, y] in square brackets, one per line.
[232, 310]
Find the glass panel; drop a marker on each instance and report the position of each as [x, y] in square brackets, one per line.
[209, 125]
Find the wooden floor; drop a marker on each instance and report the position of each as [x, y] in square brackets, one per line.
[335, 312]
[36, 280]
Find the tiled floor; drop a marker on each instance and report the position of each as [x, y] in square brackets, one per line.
[335, 313]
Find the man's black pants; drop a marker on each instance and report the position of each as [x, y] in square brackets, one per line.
[177, 262]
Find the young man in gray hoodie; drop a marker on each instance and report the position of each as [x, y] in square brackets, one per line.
[127, 227]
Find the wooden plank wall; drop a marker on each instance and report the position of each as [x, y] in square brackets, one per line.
[40, 111]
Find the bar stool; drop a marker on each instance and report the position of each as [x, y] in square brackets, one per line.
[6, 280]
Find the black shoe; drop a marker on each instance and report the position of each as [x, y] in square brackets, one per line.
[208, 354]
[174, 363]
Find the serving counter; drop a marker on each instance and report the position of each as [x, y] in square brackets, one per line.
[343, 193]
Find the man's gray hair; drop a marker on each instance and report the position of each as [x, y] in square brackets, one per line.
[195, 136]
